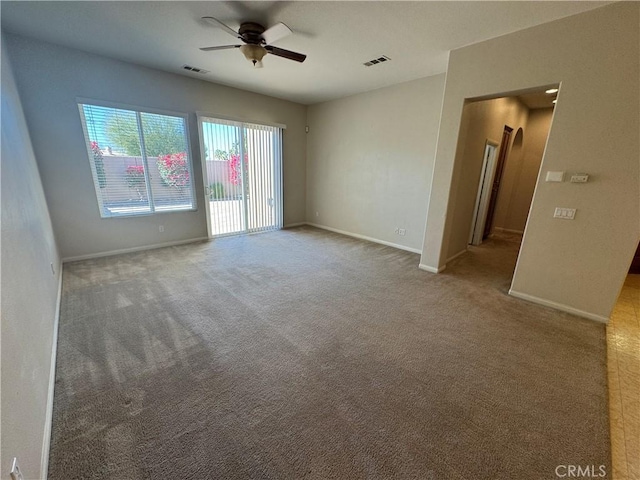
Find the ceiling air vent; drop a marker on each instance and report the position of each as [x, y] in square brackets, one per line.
[195, 69]
[376, 61]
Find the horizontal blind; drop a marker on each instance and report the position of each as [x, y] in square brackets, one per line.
[165, 140]
[139, 160]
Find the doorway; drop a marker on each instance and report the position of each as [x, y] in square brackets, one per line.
[497, 178]
[517, 126]
[242, 166]
[502, 192]
[490, 178]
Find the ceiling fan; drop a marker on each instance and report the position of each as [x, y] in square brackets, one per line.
[257, 41]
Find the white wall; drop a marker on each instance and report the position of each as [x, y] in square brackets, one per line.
[521, 172]
[369, 161]
[50, 78]
[575, 265]
[29, 292]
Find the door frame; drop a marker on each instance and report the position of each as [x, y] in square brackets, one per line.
[481, 208]
[505, 146]
[279, 181]
[205, 178]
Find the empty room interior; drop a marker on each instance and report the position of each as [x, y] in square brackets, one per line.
[318, 240]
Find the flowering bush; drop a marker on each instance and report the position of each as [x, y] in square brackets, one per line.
[173, 169]
[99, 164]
[235, 168]
[135, 176]
[135, 179]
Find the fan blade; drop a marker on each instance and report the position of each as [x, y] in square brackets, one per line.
[275, 33]
[222, 47]
[217, 23]
[288, 54]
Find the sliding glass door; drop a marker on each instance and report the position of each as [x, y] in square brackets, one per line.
[242, 163]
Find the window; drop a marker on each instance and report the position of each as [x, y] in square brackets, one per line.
[140, 161]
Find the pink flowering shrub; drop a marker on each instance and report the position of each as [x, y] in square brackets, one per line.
[173, 169]
[235, 168]
[135, 176]
[135, 179]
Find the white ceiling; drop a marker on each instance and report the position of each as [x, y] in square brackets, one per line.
[338, 37]
[539, 99]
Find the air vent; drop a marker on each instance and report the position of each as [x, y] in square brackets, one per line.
[195, 69]
[376, 61]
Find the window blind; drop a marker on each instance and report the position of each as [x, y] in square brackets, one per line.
[139, 160]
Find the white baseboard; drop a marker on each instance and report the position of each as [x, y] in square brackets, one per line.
[48, 419]
[461, 252]
[291, 225]
[428, 268]
[508, 230]
[431, 269]
[364, 237]
[558, 306]
[133, 249]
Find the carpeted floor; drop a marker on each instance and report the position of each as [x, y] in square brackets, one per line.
[306, 354]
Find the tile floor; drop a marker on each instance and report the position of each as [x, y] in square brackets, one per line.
[623, 351]
[227, 216]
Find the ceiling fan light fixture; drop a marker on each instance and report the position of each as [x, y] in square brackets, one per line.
[257, 41]
[254, 53]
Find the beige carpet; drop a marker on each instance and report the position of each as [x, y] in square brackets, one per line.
[306, 354]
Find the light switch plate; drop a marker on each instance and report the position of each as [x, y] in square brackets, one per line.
[579, 178]
[555, 177]
[565, 213]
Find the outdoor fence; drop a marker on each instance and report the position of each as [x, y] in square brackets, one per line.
[118, 191]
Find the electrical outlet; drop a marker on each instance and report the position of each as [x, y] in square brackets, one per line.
[161, 228]
[402, 232]
[317, 214]
[397, 231]
[15, 472]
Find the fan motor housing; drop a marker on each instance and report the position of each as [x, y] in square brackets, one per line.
[251, 33]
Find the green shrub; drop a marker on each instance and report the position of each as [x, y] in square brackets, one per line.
[216, 191]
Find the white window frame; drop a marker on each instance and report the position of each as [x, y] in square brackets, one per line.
[138, 110]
